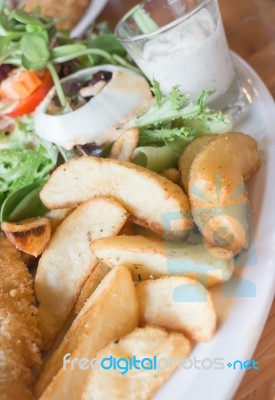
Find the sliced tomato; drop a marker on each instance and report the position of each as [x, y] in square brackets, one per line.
[28, 105]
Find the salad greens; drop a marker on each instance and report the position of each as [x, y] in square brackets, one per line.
[171, 123]
[191, 118]
[32, 42]
[23, 203]
[160, 158]
[145, 23]
[25, 164]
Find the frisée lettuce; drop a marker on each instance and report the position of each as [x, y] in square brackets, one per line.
[25, 160]
[171, 123]
[175, 116]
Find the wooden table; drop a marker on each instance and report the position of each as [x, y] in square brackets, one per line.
[250, 28]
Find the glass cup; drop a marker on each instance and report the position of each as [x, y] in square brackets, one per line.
[182, 42]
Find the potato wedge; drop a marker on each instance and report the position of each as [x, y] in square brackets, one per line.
[172, 174]
[142, 231]
[124, 146]
[217, 192]
[179, 304]
[110, 313]
[153, 201]
[188, 156]
[136, 385]
[67, 262]
[128, 228]
[30, 236]
[90, 285]
[57, 216]
[152, 258]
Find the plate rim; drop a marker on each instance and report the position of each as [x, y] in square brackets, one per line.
[171, 388]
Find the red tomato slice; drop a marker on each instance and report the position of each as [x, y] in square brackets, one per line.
[28, 105]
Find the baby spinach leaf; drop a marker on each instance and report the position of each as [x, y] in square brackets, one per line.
[68, 49]
[26, 18]
[109, 43]
[34, 47]
[24, 203]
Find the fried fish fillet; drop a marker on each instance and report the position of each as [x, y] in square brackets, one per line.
[19, 335]
[67, 12]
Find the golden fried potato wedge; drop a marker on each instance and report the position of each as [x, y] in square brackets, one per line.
[217, 192]
[30, 236]
[172, 174]
[128, 228]
[110, 313]
[123, 148]
[90, 285]
[57, 216]
[153, 258]
[142, 231]
[136, 384]
[179, 304]
[68, 261]
[152, 200]
[188, 156]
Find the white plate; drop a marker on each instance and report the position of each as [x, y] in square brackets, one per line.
[241, 319]
[94, 9]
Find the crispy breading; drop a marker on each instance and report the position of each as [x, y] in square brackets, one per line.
[68, 12]
[19, 335]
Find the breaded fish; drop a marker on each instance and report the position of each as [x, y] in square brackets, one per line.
[67, 12]
[19, 335]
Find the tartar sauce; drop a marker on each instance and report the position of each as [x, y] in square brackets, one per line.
[193, 54]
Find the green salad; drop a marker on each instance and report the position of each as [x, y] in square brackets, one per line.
[35, 55]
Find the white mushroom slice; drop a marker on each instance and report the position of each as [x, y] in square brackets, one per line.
[126, 94]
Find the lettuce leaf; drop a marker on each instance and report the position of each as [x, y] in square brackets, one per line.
[23, 167]
[176, 116]
[25, 159]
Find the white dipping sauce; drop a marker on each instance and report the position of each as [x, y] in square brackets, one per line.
[193, 54]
